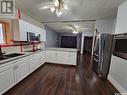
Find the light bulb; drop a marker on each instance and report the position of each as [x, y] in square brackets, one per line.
[65, 7]
[75, 32]
[56, 3]
[59, 13]
[52, 9]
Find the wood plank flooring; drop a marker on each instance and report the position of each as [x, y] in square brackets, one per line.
[52, 79]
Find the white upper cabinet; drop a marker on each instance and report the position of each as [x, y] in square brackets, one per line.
[20, 29]
[23, 30]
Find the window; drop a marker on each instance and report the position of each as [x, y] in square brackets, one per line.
[1, 33]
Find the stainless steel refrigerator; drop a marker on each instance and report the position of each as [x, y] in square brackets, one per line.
[102, 54]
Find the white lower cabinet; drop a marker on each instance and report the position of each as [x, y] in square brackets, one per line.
[7, 79]
[21, 69]
[13, 72]
[32, 63]
[51, 56]
[60, 57]
[42, 58]
[36, 60]
[68, 58]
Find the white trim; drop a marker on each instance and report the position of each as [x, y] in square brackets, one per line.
[117, 85]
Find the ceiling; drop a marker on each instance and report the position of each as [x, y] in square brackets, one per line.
[77, 10]
[69, 27]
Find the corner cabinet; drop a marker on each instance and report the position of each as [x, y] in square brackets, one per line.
[20, 29]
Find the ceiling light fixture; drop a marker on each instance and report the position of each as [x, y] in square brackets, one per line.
[75, 32]
[56, 3]
[58, 7]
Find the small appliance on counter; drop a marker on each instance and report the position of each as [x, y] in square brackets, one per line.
[102, 54]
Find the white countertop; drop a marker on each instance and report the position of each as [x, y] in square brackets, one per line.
[29, 53]
[18, 57]
[62, 49]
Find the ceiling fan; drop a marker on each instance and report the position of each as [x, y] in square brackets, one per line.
[56, 6]
[76, 29]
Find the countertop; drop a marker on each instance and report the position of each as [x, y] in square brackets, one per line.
[62, 49]
[18, 57]
[30, 53]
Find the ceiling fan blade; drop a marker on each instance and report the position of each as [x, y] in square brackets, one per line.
[71, 26]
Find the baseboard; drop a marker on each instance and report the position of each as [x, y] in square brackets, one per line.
[117, 85]
[62, 65]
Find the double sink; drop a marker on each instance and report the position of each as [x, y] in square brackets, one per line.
[12, 55]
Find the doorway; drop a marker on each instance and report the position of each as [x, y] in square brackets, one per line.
[88, 41]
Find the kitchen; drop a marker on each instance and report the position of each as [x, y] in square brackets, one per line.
[49, 50]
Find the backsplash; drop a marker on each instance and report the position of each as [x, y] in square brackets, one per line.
[16, 49]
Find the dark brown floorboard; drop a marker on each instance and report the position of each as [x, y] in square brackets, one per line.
[51, 79]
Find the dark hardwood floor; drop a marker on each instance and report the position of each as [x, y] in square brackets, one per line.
[52, 79]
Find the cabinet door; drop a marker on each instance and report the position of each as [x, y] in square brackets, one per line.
[37, 60]
[32, 63]
[23, 30]
[6, 78]
[66, 58]
[60, 57]
[73, 58]
[70, 58]
[43, 57]
[22, 68]
[51, 56]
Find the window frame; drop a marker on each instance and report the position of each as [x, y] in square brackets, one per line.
[3, 29]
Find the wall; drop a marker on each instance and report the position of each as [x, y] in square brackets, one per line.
[105, 26]
[82, 39]
[31, 20]
[121, 25]
[52, 37]
[118, 69]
